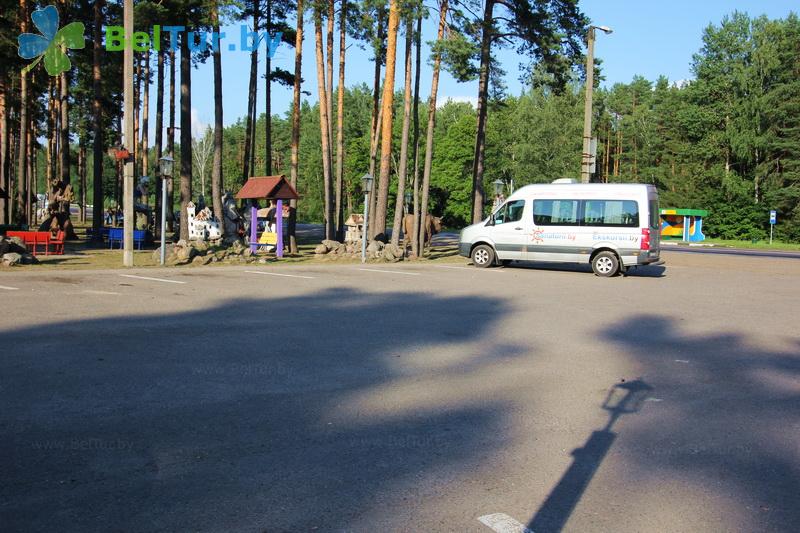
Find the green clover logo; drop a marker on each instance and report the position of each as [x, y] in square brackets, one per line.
[51, 44]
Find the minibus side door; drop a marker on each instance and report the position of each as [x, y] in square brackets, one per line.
[510, 230]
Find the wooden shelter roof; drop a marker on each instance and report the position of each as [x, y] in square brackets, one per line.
[268, 187]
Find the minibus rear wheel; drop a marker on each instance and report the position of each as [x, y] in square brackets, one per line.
[483, 256]
[605, 264]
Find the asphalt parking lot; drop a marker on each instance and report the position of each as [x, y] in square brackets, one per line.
[406, 397]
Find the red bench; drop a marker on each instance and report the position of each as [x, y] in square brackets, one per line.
[34, 239]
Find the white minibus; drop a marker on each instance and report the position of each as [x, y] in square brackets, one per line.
[611, 226]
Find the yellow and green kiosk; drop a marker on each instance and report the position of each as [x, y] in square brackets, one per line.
[682, 224]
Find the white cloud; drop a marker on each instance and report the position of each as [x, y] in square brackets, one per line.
[471, 100]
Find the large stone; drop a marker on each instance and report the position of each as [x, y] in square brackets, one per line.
[332, 245]
[202, 259]
[200, 246]
[12, 258]
[169, 250]
[186, 254]
[237, 247]
[374, 246]
[29, 259]
[395, 251]
[19, 242]
[321, 249]
[248, 252]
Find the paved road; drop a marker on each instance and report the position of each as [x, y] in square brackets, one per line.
[733, 251]
[414, 397]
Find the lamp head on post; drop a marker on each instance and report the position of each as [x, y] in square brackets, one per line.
[604, 29]
[499, 185]
[165, 166]
[366, 183]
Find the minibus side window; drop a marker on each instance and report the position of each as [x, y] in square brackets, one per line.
[655, 215]
[611, 213]
[510, 212]
[555, 212]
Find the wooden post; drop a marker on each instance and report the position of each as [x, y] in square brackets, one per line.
[279, 228]
[253, 229]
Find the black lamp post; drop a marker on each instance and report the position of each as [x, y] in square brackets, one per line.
[165, 172]
[366, 185]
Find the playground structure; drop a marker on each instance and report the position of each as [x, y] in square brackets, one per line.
[683, 224]
[274, 188]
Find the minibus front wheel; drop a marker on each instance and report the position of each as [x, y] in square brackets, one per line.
[483, 256]
[605, 264]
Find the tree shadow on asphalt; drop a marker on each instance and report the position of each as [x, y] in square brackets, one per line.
[253, 414]
[729, 420]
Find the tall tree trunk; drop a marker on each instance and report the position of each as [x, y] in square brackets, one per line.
[82, 177]
[402, 171]
[426, 173]
[29, 185]
[415, 155]
[22, 151]
[159, 131]
[483, 93]
[97, 125]
[5, 184]
[323, 125]
[252, 91]
[298, 63]
[118, 188]
[329, 71]
[146, 114]
[137, 91]
[268, 96]
[216, 168]
[386, 124]
[171, 140]
[186, 134]
[50, 162]
[376, 90]
[64, 127]
[56, 139]
[340, 124]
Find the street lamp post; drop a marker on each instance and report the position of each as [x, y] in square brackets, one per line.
[366, 185]
[586, 158]
[165, 169]
[499, 185]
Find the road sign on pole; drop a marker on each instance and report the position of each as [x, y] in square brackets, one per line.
[773, 218]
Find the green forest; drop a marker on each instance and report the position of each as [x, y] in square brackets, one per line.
[727, 140]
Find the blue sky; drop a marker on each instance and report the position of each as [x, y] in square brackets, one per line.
[650, 39]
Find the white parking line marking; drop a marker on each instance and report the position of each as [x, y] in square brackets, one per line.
[152, 279]
[681, 360]
[389, 271]
[653, 400]
[502, 523]
[9, 288]
[276, 274]
[102, 292]
[473, 269]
